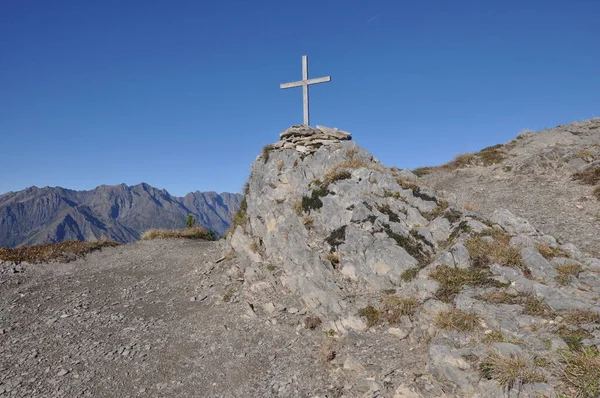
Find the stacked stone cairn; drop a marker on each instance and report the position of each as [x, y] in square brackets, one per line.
[306, 139]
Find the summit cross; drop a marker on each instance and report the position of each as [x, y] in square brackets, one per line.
[304, 83]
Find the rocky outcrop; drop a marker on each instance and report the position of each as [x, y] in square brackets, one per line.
[367, 246]
[122, 213]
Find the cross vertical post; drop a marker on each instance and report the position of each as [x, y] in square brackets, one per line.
[304, 83]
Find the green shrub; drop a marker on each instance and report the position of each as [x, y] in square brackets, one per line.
[190, 221]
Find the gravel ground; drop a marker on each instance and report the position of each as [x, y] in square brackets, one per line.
[149, 319]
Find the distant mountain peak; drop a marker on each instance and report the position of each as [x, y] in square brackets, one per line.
[119, 212]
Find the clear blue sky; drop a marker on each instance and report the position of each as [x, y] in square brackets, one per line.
[183, 94]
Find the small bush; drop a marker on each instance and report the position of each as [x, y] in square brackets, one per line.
[510, 371]
[581, 373]
[567, 270]
[314, 202]
[336, 237]
[410, 274]
[596, 193]
[190, 221]
[371, 314]
[456, 319]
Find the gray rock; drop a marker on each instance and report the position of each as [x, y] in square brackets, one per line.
[447, 364]
[512, 224]
[461, 256]
[540, 268]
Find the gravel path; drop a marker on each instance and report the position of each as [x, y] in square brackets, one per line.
[148, 319]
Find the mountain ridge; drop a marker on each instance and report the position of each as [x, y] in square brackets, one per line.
[119, 212]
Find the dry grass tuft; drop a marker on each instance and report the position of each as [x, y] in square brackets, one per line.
[393, 307]
[308, 222]
[510, 371]
[591, 176]
[421, 171]
[567, 270]
[581, 373]
[453, 279]
[486, 157]
[187, 233]
[407, 184]
[531, 305]
[460, 161]
[333, 258]
[499, 297]
[336, 174]
[485, 253]
[60, 252]
[582, 318]
[584, 154]
[456, 319]
[534, 306]
[549, 252]
[495, 336]
[266, 151]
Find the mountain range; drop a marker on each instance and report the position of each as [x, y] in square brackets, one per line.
[122, 213]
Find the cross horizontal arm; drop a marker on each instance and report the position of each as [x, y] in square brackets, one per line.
[293, 84]
[319, 80]
[306, 82]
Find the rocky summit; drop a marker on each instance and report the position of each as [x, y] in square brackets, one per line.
[341, 277]
[368, 248]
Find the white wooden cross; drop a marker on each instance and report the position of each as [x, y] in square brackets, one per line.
[305, 82]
